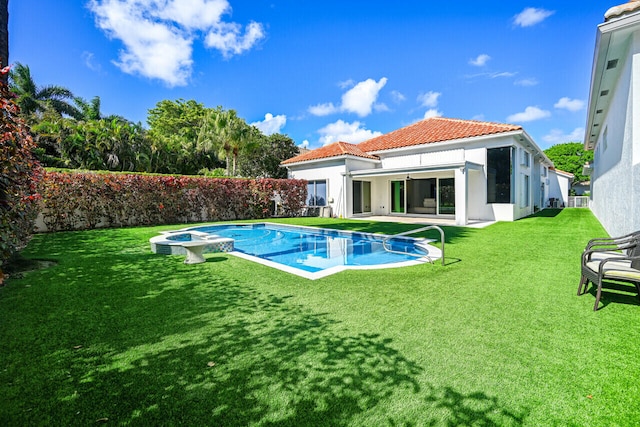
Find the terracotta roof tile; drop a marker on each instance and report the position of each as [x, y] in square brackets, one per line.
[620, 10]
[436, 129]
[428, 131]
[332, 150]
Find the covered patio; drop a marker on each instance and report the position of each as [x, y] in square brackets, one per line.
[427, 193]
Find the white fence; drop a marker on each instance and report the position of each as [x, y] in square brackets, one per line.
[578, 201]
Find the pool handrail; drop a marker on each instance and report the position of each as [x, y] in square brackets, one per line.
[417, 230]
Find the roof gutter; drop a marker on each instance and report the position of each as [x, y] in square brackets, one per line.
[327, 159]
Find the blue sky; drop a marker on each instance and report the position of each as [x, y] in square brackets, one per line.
[322, 71]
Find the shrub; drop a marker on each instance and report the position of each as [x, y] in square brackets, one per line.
[80, 200]
[18, 172]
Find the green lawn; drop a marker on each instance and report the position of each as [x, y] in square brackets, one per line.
[114, 333]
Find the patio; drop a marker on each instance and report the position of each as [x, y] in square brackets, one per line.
[422, 220]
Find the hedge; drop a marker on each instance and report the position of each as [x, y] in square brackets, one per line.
[19, 172]
[74, 201]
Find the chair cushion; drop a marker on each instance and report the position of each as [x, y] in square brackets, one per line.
[616, 270]
[599, 256]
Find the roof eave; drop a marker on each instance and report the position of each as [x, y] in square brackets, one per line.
[327, 159]
[601, 53]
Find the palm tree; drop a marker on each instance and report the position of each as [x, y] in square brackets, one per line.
[33, 99]
[228, 134]
[87, 110]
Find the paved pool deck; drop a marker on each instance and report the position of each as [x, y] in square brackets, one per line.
[422, 220]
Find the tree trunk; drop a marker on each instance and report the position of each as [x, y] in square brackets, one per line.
[4, 37]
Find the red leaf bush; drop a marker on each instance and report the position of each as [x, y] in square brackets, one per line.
[19, 172]
[72, 201]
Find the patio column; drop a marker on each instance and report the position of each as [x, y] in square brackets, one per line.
[462, 198]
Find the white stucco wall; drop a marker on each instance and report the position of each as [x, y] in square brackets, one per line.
[615, 183]
[559, 185]
[332, 172]
[473, 181]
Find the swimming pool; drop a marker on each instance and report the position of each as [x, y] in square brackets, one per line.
[307, 251]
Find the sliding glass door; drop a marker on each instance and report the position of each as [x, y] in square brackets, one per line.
[361, 197]
[397, 196]
[447, 200]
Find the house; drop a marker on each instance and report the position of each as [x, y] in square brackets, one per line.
[439, 167]
[559, 183]
[613, 121]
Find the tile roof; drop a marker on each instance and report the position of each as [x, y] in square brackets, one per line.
[620, 10]
[428, 131]
[435, 129]
[332, 150]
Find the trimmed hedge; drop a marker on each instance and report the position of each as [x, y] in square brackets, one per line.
[19, 172]
[73, 201]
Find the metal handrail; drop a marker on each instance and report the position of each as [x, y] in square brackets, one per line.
[417, 230]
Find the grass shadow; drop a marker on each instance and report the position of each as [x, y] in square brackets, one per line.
[546, 213]
[617, 293]
[155, 342]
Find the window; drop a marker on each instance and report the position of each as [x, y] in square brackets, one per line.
[499, 174]
[544, 171]
[526, 160]
[317, 193]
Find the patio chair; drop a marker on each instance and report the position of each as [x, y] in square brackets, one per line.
[608, 241]
[609, 247]
[615, 267]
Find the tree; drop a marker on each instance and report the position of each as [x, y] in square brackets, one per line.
[264, 161]
[87, 110]
[174, 129]
[227, 134]
[34, 100]
[570, 157]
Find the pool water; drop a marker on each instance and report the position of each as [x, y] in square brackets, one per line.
[315, 250]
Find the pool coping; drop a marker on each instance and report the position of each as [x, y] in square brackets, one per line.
[433, 253]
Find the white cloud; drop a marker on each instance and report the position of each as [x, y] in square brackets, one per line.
[570, 104]
[323, 109]
[305, 144]
[271, 124]
[229, 40]
[526, 82]
[360, 99]
[346, 132]
[531, 16]
[433, 112]
[494, 75]
[429, 99]
[502, 74]
[557, 136]
[397, 96]
[89, 61]
[480, 60]
[158, 35]
[381, 107]
[347, 83]
[528, 115]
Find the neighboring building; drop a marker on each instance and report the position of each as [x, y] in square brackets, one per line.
[559, 183]
[582, 188]
[613, 123]
[459, 169]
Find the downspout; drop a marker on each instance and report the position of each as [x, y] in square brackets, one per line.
[344, 194]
